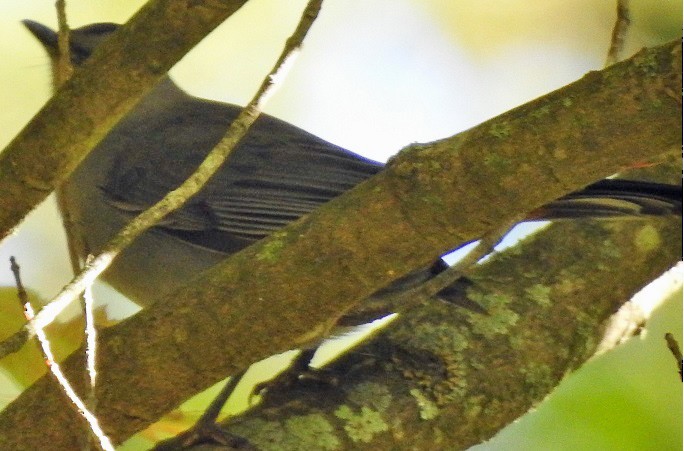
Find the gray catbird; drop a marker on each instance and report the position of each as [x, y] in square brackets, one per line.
[276, 175]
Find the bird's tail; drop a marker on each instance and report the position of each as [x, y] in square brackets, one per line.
[614, 198]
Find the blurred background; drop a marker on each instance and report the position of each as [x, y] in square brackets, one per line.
[374, 77]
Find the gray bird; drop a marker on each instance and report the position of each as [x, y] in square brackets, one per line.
[278, 174]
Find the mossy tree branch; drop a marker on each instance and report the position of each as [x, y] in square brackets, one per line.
[443, 377]
[290, 288]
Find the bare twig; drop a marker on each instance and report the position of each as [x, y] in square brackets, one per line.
[61, 72]
[177, 198]
[458, 270]
[91, 342]
[617, 41]
[90, 373]
[397, 302]
[21, 291]
[55, 370]
[64, 68]
[676, 352]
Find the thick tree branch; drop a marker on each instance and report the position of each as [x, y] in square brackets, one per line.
[447, 378]
[110, 83]
[290, 288]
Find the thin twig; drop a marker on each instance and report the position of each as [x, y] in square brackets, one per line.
[61, 72]
[617, 41]
[52, 365]
[399, 301]
[177, 198]
[91, 343]
[64, 68]
[21, 291]
[90, 369]
[486, 244]
[676, 352]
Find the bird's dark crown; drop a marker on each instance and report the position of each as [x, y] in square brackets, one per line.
[82, 41]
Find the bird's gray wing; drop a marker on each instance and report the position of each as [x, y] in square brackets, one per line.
[276, 175]
[269, 184]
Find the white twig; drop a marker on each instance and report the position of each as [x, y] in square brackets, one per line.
[53, 366]
[91, 337]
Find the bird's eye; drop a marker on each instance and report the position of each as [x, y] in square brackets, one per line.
[78, 54]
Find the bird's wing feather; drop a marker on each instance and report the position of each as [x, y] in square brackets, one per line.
[612, 198]
[279, 174]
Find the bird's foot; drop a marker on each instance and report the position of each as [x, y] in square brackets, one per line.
[205, 433]
[206, 430]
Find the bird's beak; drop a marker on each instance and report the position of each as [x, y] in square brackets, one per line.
[46, 36]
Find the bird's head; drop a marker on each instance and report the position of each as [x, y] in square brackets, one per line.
[82, 41]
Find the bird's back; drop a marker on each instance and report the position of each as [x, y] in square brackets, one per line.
[276, 175]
